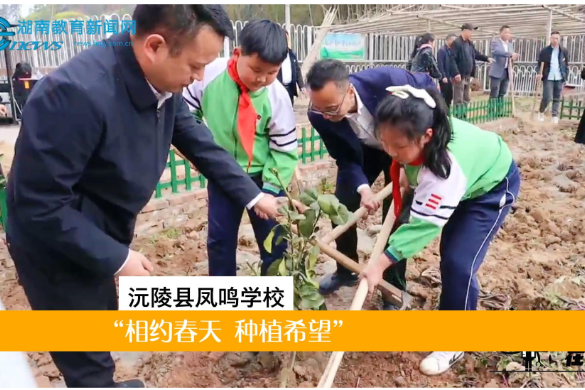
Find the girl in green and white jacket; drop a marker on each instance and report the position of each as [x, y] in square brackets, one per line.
[464, 181]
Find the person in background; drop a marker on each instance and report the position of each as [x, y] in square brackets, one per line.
[503, 53]
[445, 61]
[290, 74]
[580, 136]
[554, 74]
[465, 55]
[250, 116]
[342, 111]
[422, 58]
[464, 181]
[94, 141]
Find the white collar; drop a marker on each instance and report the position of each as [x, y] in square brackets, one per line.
[161, 97]
[360, 104]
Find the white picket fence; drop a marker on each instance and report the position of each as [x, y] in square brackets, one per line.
[381, 50]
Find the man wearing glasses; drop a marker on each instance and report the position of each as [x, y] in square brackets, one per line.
[341, 110]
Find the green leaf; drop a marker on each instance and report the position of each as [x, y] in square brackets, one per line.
[343, 213]
[282, 271]
[268, 240]
[328, 203]
[295, 216]
[313, 257]
[312, 303]
[306, 225]
[315, 206]
[279, 239]
[312, 192]
[274, 267]
[309, 196]
[336, 219]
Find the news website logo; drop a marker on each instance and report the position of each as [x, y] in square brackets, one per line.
[4, 33]
[83, 33]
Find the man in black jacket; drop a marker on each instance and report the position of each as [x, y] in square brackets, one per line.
[290, 74]
[445, 60]
[554, 74]
[465, 55]
[94, 142]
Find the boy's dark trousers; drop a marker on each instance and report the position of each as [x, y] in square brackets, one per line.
[447, 92]
[375, 161]
[223, 226]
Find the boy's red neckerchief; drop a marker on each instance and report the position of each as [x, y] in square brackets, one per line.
[247, 116]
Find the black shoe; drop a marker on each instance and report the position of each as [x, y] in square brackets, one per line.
[130, 384]
[332, 282]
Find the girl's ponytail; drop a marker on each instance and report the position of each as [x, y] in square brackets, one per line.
[436, 155]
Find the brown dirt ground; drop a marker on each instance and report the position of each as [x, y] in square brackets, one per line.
[541, 245]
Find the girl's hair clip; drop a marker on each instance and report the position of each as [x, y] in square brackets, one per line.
[404, 91]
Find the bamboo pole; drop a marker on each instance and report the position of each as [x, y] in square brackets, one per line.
[397, 297]
[313, 54]
[357, 215]
[336, 357]
[360, 297]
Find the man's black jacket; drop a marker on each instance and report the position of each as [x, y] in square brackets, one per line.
[545, 56]
[465, 55]
[91, 149]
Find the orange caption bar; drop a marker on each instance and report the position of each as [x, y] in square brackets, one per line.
[291, 330]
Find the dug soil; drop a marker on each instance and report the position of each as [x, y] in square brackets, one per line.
[536, 262]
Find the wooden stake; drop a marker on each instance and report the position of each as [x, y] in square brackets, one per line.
[360, 297]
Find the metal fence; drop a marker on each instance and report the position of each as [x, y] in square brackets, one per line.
[380, 49]
[572, 107]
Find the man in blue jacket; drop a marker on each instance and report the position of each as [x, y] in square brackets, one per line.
[94, 141]
[446, 61]
[342, 111]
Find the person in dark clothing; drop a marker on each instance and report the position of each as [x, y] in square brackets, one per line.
[580, 136]
[465, 55]
[445, 61]
[290, 74]
[422, 58]
[94, 141]
[554, 74]
[342, 111]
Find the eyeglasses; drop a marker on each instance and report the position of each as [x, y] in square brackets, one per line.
[329, 113]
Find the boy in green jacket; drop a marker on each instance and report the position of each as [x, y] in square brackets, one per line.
[251, 116]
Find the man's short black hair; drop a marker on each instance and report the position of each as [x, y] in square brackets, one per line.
[266, 39]
[450, 35]
[504, 27]
[555, 32]
[178, 23]
[325, 71]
